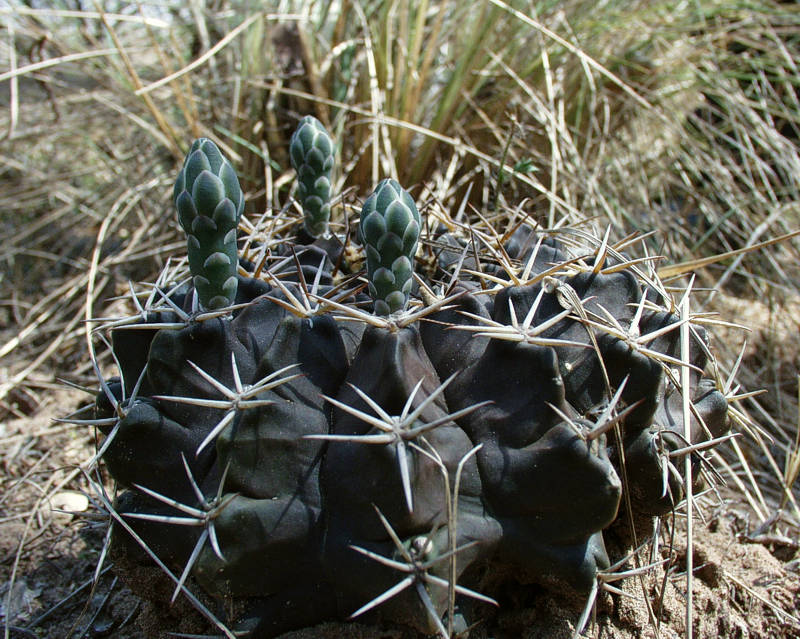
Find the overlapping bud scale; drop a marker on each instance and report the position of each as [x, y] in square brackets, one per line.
[389, 230]
[311, 152]
[210, 202]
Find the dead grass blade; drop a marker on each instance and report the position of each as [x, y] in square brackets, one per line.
[692, 265]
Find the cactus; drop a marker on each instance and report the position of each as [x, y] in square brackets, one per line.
[311, 152]
[389, 230]
[210, 203]
[332, 469]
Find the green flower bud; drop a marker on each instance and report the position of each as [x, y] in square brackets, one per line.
[209, 203]
[311, 152]
[389, 230]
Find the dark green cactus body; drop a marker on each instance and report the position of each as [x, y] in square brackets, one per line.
[323, 458]
[210, 202]
[311, 152]
[389, 230]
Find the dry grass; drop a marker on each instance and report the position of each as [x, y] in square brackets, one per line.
[637, 116]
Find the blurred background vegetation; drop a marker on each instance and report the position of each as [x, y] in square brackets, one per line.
[681, 118]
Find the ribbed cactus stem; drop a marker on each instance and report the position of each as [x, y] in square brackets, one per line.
[311, 152]
[389, 230]
[210, 202]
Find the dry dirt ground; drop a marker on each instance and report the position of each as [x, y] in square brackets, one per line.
[741, 588]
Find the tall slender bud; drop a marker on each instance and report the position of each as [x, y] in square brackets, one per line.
[311, 152]
[210, 202]
[389, 231]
